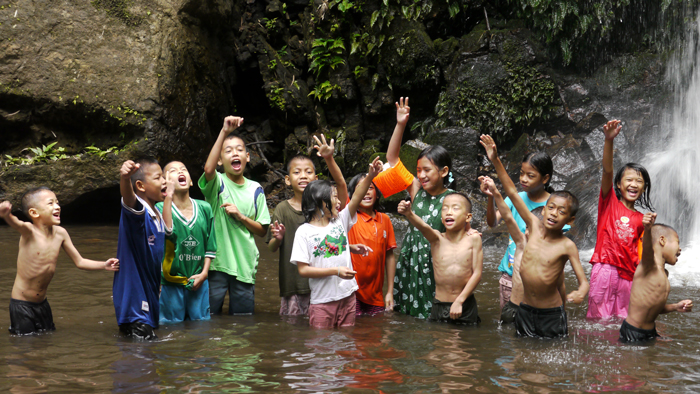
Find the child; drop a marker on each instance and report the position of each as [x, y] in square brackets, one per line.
[39, 244]
[190, 246]
[414, 288]
[542, 312]
[650, 287]
[140, 248]
[458, 260]
[240, 211]
[616, 253]
[321, 252]
[535, 175]
[374, 230]
[294, 290]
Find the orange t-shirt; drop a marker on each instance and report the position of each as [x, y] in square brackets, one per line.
[378, 234]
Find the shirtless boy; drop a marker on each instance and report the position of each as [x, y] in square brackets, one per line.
[458, 260]
[39, 245]
[542, 313]
[650, 285]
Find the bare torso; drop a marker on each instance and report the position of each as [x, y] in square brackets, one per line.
[648, 297]
[542, 271]
[36, 263]
[453, 266]
[516, 296]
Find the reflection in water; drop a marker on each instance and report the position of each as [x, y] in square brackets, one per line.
[390, 353]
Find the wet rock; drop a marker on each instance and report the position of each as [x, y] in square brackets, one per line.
[463, 145]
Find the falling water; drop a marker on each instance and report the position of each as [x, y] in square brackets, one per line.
[674, 170]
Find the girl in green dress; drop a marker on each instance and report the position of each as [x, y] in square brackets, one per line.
[414, 284]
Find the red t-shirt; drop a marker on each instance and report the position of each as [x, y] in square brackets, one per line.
[378, 234]
[617, 235]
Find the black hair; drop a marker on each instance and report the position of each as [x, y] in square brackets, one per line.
[538, 212]
[352, 185]
[29, 198]
[236, 135]
[573, 201]
[140, 175]
[543, 164]
[315, 195]
[299, 157]
[660, 229]
[469, 202]
[439, 156]
[644, 201]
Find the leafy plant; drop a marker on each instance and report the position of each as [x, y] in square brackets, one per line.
[47, 153]
[101, 154]
[323, 91]
[276, 96]
[326, 53]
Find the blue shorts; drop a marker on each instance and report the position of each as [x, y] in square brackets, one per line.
[241, 296]
[178, 304]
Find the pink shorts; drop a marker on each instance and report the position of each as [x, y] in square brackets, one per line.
[339, 313]
[609, 294]
[295, 305]
[505, 285]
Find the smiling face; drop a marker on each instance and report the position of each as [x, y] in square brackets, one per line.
[557, 213]
[152, 188]
[301, 172]
[430, 176]
[631, 185]
[46, 209]
[335, 201]
[234, 157]
[531, 179]
[177, 171]
[455, 215]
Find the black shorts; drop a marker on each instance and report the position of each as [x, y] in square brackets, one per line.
[508, 312]
[470, 313]
[541, 323]
[630, 333]
[138, 330]
[29, 317]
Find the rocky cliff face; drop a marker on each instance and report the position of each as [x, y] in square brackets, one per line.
[158, 77]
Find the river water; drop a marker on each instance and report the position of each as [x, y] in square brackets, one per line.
[392, 353]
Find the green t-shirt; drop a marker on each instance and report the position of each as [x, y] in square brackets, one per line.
[290, 281]
[237, 254]
[188, 244]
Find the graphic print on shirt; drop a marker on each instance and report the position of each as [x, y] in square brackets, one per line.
[624, 231]
[333, 244]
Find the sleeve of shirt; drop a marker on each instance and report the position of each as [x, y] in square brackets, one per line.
[211, 237]
[263, 213]
[210, 189]
[168, 230]
[346, 220]
[300, 248]
[390, 238]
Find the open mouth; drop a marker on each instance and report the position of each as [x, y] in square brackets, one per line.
[367, 199]
[303, 184]
[236, 164]
[633, 193]
[163, 190]
[551, 222]
[182, 180]
[57, 214]
[449, 221]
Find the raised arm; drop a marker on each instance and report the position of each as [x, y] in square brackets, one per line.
[488, 187]
[402, 113]
[478, 267]
[493, 216]
[375, 167]
[508, 185]
[647, 260]
[428, 232]
[24, 228]
[127, 190]
[611, 130]
[579, 295]
[85, 264]
[168, 205]
[326, 151]
[231, 123]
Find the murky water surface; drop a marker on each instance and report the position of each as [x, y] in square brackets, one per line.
[262, 353]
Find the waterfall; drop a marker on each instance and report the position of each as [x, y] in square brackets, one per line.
[674, 167]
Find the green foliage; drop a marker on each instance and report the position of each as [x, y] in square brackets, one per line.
[275, 95]
[101, 154]
[124, 113]
[118, 9]
[42, 154]
[323, 91]
[525, 98]
[326, 53]
[270, 24]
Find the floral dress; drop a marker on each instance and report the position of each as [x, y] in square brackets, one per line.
[414, 283]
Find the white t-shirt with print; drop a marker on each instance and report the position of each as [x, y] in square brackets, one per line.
[326, 247]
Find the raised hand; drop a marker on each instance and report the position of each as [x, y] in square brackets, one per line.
[375, 167]
[648, 220]
[685, 306]
[488, 143]
[346, 273]
[324, 149]
[487, 185]
[277, 230]
[612, 129]
[404, 207]
[128, 169]
[169, 187]
[232, 210]
[402, 111]
[231, 123]
[112, 264]
[5, 209]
